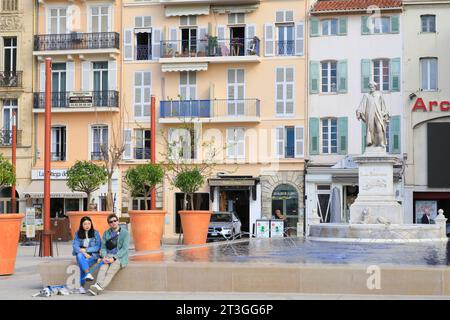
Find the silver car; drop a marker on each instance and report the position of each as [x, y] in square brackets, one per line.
[224, 225]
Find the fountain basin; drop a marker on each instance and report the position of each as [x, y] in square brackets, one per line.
[401, 233]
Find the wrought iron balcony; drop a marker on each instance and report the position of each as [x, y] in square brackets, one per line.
[285, 48]
[87, 99]
[143, 52]
[10, 79]
[76, 41]
[216, 110]
[6, 138]
[58, 156]
[210, 47]
[141, 153]
[96, 155]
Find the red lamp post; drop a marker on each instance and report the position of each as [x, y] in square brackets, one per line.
[152, 146]
[14, 160]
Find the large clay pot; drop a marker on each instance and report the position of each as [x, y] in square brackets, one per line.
[99, 219]
[147, 228]
[195, 226]
[9, 240]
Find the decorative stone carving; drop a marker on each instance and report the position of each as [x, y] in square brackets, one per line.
[10, 23]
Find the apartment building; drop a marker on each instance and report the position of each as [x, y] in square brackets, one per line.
[351, 43]
[426, 102]
[234, 70]
[16, 32]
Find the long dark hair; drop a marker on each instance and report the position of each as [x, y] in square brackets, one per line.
[82, 233]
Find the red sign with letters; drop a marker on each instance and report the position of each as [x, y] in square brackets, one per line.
[431, 106]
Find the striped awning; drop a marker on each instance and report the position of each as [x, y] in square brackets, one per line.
[180, 67]
[58, 189]
[183, 10]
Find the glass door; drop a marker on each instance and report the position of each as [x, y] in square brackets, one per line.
[101, 83]
[58, 85]
[9, 107]
[286, 40]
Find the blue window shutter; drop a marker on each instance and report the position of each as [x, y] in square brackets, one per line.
[366, 73]
[314, 77]
[395, 135]
[314, 136]
[342, 28]
[395, 74]
[314, 27]
[342, 76]
[363, 136]
[395, 24]
[342, 127]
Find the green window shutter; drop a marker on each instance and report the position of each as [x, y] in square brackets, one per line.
[366, 72]
[363, 136]
[395, 135]
[342, 76]
[342, 26]
[395, 74]
[342, 127]
[314, 136]
[314, 77]
[395, 24]
[364, 25]
[314, 27]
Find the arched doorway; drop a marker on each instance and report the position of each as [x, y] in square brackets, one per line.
[5, 200]
[285, 198]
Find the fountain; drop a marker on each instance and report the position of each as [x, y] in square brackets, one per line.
[376, 216]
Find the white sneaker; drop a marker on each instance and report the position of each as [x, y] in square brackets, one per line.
[89, 277]
[95, 289]
[82, 290]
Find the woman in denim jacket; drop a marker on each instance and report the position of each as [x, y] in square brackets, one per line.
[86, 247]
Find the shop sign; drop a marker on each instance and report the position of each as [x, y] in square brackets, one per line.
[223, 183]
[431, 106]
[30, 222]
[55, 174]
[263, 228]
[276, 228]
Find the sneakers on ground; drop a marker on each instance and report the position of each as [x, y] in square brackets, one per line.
[89, 277]
[82, 290]
[95, 289]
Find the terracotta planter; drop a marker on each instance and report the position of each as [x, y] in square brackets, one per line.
[195, 226]
[98, 219]
[9, 240]
[147, 228]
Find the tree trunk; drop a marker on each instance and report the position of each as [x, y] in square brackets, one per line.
[184, 201]
[192, 201]
[88, 201]
[145, 200]
[109, 199]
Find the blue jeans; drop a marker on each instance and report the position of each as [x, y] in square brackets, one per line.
[84, 264]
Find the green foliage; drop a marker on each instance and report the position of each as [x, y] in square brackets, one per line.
[7, 175]
[143, 178]
[189, 181]
[86, 176]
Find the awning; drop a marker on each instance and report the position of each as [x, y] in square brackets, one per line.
[235, 9]
[143, 30]
[58, 189]
[213, 182]
[176, 11]
[180, 67]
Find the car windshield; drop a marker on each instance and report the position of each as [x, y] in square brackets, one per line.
[221, 217]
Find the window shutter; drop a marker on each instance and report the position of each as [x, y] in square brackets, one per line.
[201, 40]
[299, 38]
[342, 27]
[314, 136]
[299, 142]
[279, 16]
[395, 24]
[395, 135]
[86, 83]
[269, 45]
[147, 83]
[395, 74]
[365, 25]
[231, 147]
[363, 136]
[112, 75]
[250, 33]
[156, 43]
[173, 41]
[366, 72]
[342, 76]
[42, 77]
[314, 77]
[128, 44]
[342, 127]
[279, 140]
[70, 67]
[240, 139]
[127, 154]
[314, 28]
[138, 75]
[220, 30]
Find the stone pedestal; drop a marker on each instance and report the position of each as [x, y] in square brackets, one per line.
[376, 201]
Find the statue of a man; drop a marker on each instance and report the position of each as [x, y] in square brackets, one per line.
[373, 111]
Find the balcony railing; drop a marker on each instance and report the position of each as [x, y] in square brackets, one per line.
[142, 153]
[10, 79]
[285, 48]
[210, 47]
[58, 156]
[76, 41]
[289, 152]
[143, 52]
[217, 108]
[6, 138]
[69, 100]
[96, 155]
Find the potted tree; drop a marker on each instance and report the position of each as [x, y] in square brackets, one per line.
[86, 176]
[9, 223]
[147, 225]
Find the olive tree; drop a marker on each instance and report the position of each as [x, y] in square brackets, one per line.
[142, 179]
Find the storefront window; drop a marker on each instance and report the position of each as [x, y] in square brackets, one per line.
[285, 198]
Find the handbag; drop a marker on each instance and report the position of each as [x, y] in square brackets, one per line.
[112, 243]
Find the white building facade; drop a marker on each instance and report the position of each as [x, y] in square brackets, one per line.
[349, 46]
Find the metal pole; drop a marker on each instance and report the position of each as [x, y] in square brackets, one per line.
[47, 245]
[152, 146]
[14, 159]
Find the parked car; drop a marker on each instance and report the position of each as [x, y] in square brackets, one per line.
[224, 225]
